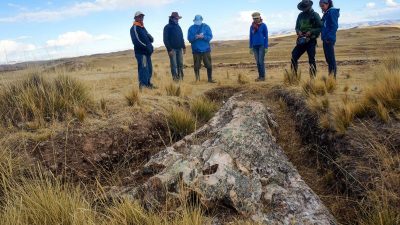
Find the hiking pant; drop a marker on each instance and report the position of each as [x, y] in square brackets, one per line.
[176, 62]
[329, 50]
[299, 50]
[259, 55]
[206, 58]
[145, 69]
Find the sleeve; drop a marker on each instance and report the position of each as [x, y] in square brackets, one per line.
[207, 33]
[317, 25]
[265, 36]
[138, 33]
[166, 39]
[250, 38]
[191, 35]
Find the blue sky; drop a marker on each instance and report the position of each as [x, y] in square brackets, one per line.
[36, 30]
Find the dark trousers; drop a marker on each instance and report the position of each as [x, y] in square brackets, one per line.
[145, 69]
[299, 50]
[176, 62]
[259, 55]
[206, 58]
[329, 50]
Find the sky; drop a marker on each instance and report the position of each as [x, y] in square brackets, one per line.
[49, 29]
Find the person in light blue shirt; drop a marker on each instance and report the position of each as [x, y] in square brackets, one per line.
[330, 21]
[259, 43]
[200, 35]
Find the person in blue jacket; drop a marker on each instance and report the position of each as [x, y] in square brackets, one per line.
[143, 48]
[259, 43]
[200, 35]
[328, 33]
[175, 44]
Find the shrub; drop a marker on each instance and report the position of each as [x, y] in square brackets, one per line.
[203, 109]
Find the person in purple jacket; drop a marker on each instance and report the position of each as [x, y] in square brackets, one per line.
[259, 43]
[328, 33]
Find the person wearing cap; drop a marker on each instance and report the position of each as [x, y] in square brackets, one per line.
[143, 48]
[200, 35]
[175, 44]
[259, 43]
[308, 29]
[328, 34]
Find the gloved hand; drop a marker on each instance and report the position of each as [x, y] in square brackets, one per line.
[265, 50]
[251, 51]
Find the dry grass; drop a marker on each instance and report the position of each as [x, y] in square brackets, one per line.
[44, 201]
[291, 78]
[180, 122]
[133, 97]
[173, 90]
[314, 87]
[40, 100]
[242, 79]
[330, 84]
[203, 109]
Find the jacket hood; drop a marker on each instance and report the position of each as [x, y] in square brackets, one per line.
[334, 11]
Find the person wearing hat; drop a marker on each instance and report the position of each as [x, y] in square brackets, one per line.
[328, 34]
[175, 44]
[200, 35]
[143, 48]
[259, 43]
[308, 28]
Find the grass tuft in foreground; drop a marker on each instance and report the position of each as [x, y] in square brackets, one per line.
[203, 109]
[40, 100]
[180, 123]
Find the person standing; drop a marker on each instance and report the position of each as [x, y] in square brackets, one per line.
[259, 43]
[308, 28]
[328, 34]
[175, 44]
[143, 48]
[200, 35]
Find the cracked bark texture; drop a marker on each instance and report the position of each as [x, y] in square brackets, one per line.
[239, 164]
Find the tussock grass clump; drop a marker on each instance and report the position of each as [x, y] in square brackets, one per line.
[314, 87]
[291, 78]
[133, 97]
[11, 168]
[318, 105]
[203, 109]
[330, 84]
[45, 201]
[180, 122]
[42, 100]
[173, 90]
[242, 79]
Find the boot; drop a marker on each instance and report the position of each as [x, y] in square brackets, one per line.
[197, 74]
[209, 75]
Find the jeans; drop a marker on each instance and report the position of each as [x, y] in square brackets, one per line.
[299, 50]
[176, 62]
[259, 55]
[329, 50]
[145, 69]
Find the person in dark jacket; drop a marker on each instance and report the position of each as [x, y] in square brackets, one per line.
[175, 44]
[259, 43]
[200, 35]
[328, 34]
[143, 48]
[308, 28]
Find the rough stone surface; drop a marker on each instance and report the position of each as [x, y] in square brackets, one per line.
[238, 164]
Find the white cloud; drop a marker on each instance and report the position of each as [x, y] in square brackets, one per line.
[9, 48]
[80, 9]
[391, 3]
[371, 5]
[76, 38]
